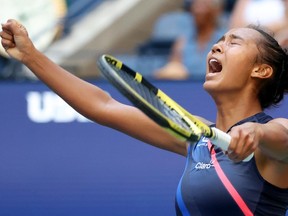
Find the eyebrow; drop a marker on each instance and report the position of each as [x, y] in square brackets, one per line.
[231, 36]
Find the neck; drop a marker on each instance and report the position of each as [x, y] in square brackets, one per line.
[231, 110]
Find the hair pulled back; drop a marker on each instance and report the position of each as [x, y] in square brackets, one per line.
[271, 53]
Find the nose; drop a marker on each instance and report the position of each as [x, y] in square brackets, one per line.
[217, 48]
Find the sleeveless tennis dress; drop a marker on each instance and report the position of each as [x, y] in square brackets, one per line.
[214, 185]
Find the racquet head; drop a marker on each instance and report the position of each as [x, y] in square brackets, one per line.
[151, 100]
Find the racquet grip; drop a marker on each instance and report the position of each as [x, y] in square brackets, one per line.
[222, 140]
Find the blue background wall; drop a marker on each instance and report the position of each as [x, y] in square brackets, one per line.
[53, 162]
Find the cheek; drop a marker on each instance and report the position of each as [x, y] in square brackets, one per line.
[239, 65]
[237, 76]
[235, 69]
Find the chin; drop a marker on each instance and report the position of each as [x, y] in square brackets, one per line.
[206, 85]
[209, 86]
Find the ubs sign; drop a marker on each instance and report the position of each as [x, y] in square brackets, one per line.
[48, 107]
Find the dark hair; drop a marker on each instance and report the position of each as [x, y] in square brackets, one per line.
[271, 53]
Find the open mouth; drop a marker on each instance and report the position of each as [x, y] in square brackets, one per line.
[215, 66]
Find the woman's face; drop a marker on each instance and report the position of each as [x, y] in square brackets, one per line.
[232, 60]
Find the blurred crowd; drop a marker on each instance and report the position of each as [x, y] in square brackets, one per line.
[47, 21]
[210, 20]
[181, 39]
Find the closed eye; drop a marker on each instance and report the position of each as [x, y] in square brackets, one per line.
[235, 42]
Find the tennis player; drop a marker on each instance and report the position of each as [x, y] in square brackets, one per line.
[246, 73]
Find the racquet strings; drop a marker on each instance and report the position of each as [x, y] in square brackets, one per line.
[148, 92]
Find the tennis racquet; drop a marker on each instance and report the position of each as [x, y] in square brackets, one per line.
[159, 106]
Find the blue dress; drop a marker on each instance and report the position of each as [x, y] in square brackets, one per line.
[214, 185]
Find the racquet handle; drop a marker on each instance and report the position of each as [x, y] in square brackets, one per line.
[222, 140]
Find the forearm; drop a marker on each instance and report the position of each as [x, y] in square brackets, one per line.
[81, 95]
[274, 140]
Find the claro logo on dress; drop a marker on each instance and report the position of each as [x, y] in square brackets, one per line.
[48, 107]
[202, 166]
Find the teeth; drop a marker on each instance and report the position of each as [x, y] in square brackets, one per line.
[212, 61]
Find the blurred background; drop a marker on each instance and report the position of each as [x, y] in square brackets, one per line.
[74, 33]
[53, 161]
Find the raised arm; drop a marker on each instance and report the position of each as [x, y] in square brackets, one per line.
[87, 99]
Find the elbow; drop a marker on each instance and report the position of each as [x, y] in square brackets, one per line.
[97, 116]
[100, 112]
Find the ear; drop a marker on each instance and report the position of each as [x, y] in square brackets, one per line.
[262, 71]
